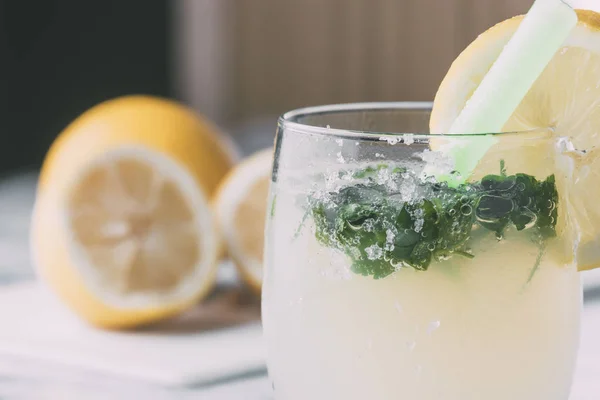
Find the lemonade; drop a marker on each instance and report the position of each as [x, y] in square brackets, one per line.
[412, 253]
[485, 305]
[474, 332]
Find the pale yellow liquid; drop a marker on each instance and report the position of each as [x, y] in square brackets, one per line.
[463, 330]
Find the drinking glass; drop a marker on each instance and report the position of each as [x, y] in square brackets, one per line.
[387, 276]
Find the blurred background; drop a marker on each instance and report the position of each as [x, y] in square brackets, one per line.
[241, 63]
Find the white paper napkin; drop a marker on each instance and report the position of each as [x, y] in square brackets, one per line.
[36, 326]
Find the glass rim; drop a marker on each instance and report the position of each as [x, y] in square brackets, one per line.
[287, 121]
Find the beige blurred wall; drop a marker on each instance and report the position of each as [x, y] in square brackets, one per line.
[241, 59]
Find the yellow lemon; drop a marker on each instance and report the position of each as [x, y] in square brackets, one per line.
[122, 230]
[565, 98]
[241, 210]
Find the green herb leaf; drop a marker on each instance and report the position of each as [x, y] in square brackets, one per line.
[381, 233]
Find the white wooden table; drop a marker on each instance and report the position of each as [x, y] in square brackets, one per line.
[20, 379]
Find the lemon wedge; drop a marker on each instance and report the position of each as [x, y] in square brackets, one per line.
[241, 210]
[122, 229]
[565, 98]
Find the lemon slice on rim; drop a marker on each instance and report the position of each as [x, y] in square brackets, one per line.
[565, 98]
[241, 209]
[122, 229]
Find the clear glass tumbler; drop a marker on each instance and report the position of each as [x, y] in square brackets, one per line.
[385, 280]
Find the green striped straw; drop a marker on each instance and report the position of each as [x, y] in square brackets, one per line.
[539, 36]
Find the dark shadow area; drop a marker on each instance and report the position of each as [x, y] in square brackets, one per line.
[591, 295]
[60, 57]
[260, 372]
[226, 307]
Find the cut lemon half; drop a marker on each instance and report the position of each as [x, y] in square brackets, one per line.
[241, 209]
[565, 98]
[122, 229]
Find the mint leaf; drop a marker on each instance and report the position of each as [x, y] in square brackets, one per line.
[381, 233]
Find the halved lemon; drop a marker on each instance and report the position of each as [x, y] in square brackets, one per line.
[241, 209]
[566, 98]
[122, 229]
